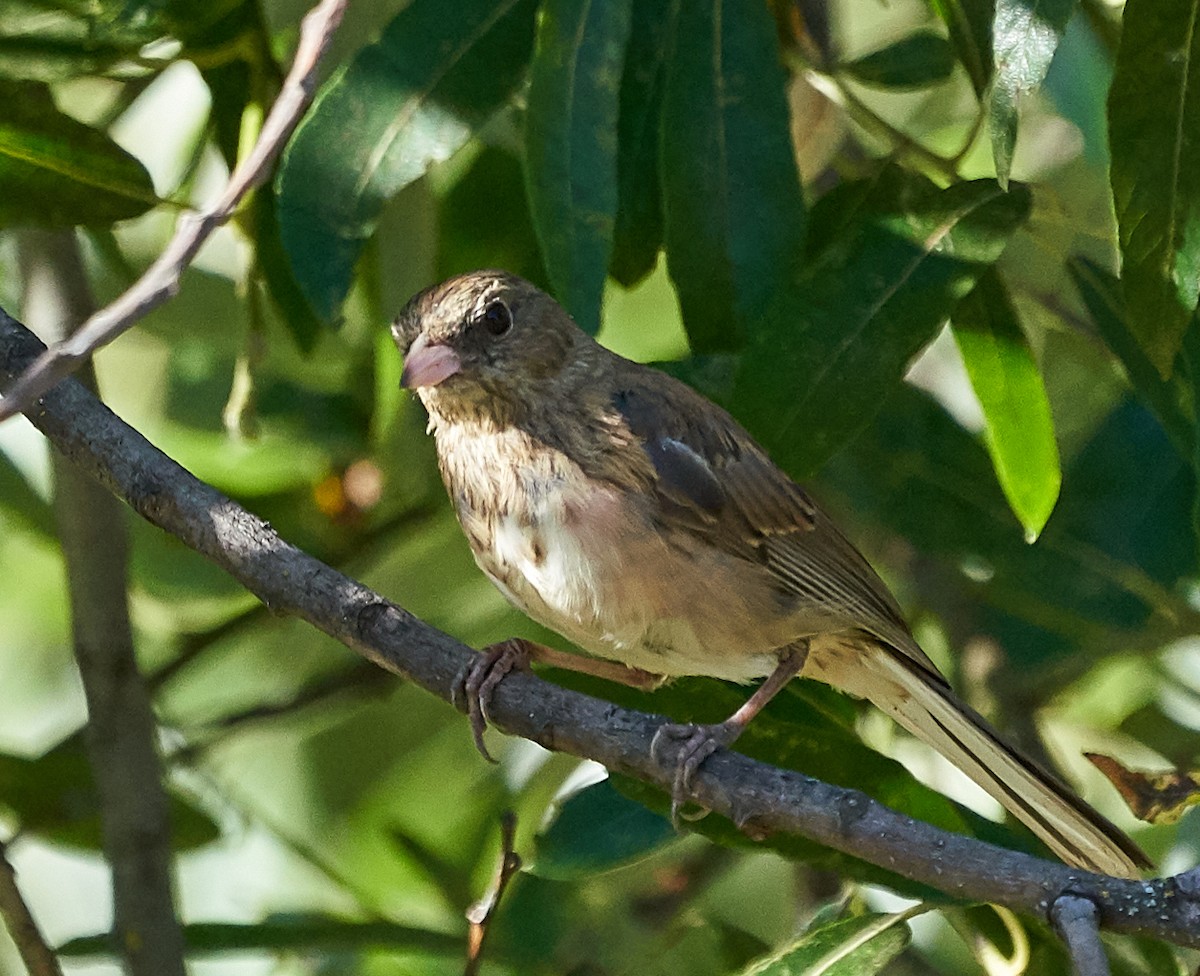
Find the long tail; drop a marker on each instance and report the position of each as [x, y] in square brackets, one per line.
[921, 702]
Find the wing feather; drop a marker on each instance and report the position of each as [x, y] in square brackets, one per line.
[726, 488]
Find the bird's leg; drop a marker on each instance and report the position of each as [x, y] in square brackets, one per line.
[701, 741]
[473, 688]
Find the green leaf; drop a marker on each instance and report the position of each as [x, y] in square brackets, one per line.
[596, 830]
[969, 23]
[311, 933]
[734, 213]
[921, 59]
[638, 231]
[571, 145]
[858, 946]
[411, 99]
[41, 42]
[58, 172]
[1170, 399]
[1154, 118]
[276, 271]
[55, 796]
[1020, 430]
[23, 506]
[1025, 35]
[897, 264]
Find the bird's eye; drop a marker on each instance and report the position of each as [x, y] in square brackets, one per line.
[497, 318]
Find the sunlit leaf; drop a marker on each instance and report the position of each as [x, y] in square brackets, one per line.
[858, 946]
[1025, 35]
[58, 172]
[1153, 117]
[1019, 430]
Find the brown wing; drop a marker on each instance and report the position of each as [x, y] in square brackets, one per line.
[714, 478]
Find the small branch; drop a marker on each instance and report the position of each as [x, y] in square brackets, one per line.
[122, 733]
[760, 798]
[1078, 923]
[480, 914]
[37, 956]
[161, 280]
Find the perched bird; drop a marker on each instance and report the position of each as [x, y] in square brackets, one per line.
[622, 509]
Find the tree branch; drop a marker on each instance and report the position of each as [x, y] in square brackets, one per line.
[1077, 922]
[161, 280]
[121, 731]
[37, 956]
[757, 797]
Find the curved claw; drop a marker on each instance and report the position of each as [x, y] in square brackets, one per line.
[474, 686]
[697, 743]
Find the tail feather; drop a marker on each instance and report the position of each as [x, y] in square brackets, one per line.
[920, 701]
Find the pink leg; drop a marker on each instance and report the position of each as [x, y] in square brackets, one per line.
[701, 741]
[473, 688]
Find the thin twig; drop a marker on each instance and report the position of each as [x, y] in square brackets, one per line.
[480, 914]
[37, 956]
[760, 798]
[1078, 923]
[161, 280]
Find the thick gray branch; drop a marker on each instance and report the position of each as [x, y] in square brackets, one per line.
[753, 794]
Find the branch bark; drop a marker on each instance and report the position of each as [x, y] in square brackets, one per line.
[37, 956]
[757, 797]
[122, 731]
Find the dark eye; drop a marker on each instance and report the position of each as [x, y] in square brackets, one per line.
[496, 318]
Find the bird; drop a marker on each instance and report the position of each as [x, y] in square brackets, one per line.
[624, 510]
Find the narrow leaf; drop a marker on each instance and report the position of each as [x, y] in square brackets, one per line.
[1020, 430]
[851, 947]
[1154, 136]
[638, 232]
[969, 23]
[878, 292]
[598, 830]
[313, 933]
[916, 61]
[1025, 35]
[1170, 399]
[409, 100]
[58, 172]
[571, 145]
[21, 505]
[734, 214]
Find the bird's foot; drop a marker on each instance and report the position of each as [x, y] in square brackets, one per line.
[474, 686]
[689, 745]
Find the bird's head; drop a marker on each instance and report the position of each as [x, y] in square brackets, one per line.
[483, 341]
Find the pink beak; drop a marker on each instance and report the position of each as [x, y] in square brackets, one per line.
[428, 364]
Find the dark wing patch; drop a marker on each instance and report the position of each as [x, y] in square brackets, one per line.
[685, 475]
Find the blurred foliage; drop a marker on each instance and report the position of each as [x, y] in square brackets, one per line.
[790, 202]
